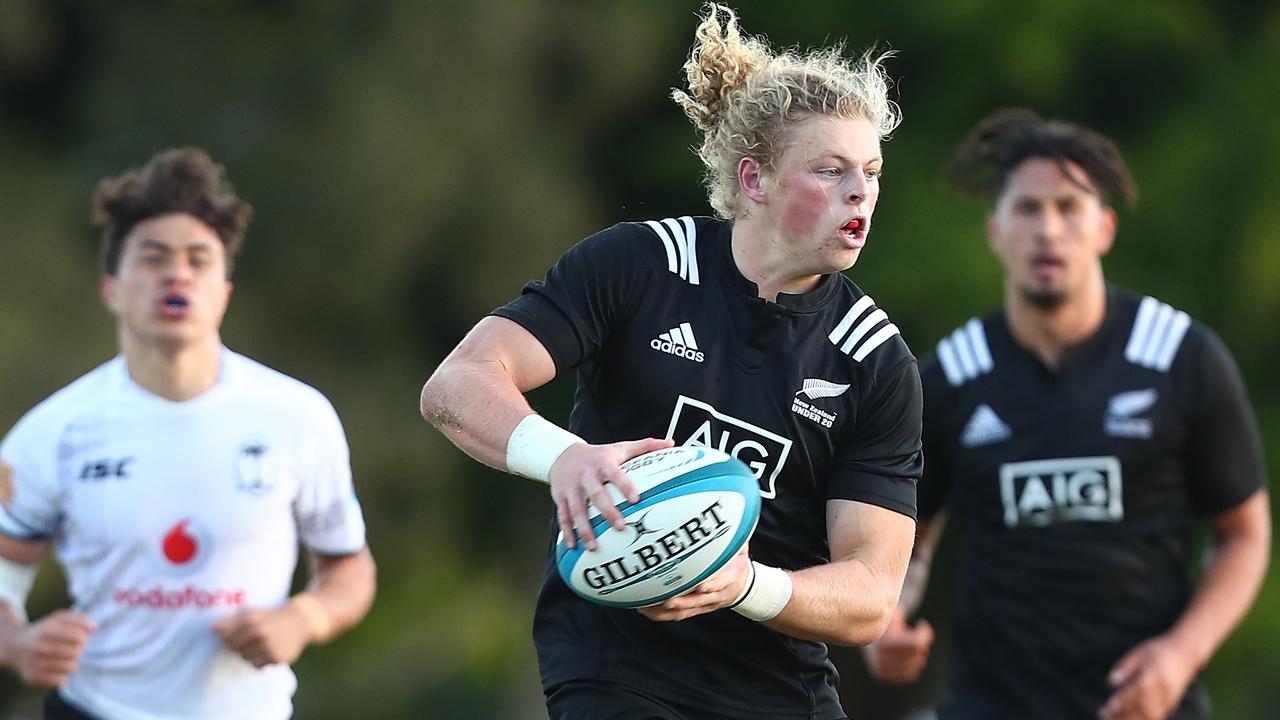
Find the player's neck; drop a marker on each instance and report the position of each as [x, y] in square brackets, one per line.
[172, 371]
[1048, 332]
[766, 263]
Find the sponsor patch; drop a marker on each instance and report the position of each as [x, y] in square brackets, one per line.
[694, 422]
[1037, 493]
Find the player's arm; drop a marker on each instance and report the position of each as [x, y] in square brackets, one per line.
[900, 655]
[476, 398]
[338, 596]
[46, 652]
[1151, 678]
[848, 601]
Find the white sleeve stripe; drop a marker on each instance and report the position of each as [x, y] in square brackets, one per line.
[863, 328]
[1172, 340]
[950, 366]
[978, 339]
[964, 353]
[1158, 328]
[677, 234]
[687, 330]
[1141, 329]
[666, 243]
[691, 237]
[875, 341]
[847, 321]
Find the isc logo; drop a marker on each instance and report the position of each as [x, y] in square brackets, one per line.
[697, 423]
[1041, 492]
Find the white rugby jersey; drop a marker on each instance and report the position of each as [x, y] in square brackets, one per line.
[170, 515]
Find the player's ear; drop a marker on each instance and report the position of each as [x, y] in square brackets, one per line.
[107, 290]
[751, 180]
[1107, 233]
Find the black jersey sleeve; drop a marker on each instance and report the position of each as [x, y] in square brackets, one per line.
[571, 310]
[1225, 464]
[880, 460]
[931, 495]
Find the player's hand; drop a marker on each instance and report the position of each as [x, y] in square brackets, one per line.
[899, 656]
[581, 473]
[716, 592]
[265, 637]
[1150, 681]
[45, 653]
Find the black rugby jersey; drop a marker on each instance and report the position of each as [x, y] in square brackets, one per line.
[1075, 492]
[817, 393]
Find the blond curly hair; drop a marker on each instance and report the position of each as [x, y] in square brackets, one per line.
[744, 97]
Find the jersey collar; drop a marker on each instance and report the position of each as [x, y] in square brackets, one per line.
[799, 303]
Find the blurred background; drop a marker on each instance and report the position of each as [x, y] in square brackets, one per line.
[413, 163]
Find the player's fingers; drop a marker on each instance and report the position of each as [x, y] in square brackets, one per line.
[1125, 667]
[621, 481]
[578, 511]
[923, 633]
[566, 522]
[632, 448]
[1121, 705]
[604, 502]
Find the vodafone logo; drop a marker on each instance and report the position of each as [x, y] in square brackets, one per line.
[183, 550]
[186, 546]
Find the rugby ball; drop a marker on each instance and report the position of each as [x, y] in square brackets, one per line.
[697, 508]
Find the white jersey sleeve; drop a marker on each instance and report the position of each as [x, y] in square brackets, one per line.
[31, 489]
[330, 521]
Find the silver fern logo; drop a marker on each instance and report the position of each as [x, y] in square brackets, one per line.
[816, 389]
[813, 388]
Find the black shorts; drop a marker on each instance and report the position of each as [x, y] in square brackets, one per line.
[597, 700]
[56, 708]
[601, 700]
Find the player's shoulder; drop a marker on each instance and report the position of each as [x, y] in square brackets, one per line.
[260, 381]
[1158, 335]
[87, 394]
[675, 245]
[962, 355]
[859, 328]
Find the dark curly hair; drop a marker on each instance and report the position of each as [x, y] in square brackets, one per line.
[181, 180]
[1003, 140]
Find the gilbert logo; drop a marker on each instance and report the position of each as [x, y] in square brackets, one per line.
[678, 341]
[1037, 493]
[186, 547]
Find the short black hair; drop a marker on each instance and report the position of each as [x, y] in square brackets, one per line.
[1007, 137]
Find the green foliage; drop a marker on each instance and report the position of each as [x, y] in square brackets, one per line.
[413, 164]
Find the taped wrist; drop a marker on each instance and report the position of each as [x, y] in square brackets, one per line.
[768, 590]
[535, 445]
[15, 586]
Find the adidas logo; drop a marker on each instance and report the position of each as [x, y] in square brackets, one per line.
[678, 341]
[984, 428]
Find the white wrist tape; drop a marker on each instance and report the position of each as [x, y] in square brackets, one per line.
[15, 585]
[535, 445]
[768, 590]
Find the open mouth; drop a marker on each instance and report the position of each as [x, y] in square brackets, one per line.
[174, 305]
[855, 229]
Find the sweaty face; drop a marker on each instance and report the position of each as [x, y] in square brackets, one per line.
[171, 287]
[824, 190]
[1050, 231]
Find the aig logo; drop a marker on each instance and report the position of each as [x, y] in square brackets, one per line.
[697, 423]
[1037, 493]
